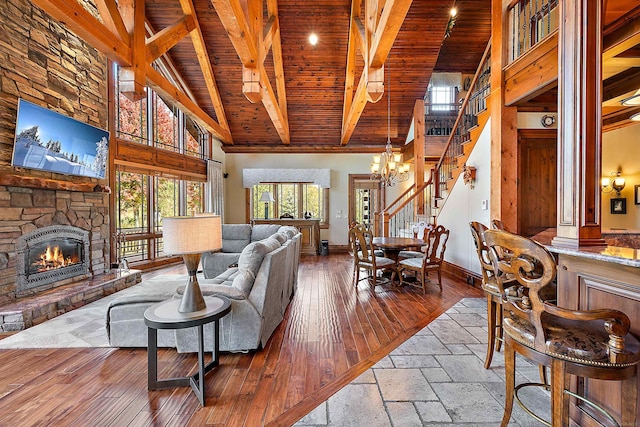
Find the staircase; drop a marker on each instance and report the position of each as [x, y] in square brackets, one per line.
[397, 218]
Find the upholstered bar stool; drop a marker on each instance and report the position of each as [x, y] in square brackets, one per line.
[493, 290]
[588, 344]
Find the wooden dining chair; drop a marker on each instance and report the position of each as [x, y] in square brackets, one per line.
[419, 230]
[585, 343]
[364, 256]
[431, 259]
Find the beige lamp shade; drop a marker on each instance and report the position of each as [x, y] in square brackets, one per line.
[191, 234]
[267, 197]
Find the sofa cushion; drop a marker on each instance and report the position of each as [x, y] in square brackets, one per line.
[252, 256]
[288, 230]
[235, 237]
[243, 281]
[262, 231]
[280, 237]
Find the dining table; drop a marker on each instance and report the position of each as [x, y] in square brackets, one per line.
[392, 246]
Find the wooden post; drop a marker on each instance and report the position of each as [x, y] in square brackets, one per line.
[504, 132]
[579, 124]
[418, 152]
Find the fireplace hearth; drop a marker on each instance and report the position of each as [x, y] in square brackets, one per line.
[48, 256]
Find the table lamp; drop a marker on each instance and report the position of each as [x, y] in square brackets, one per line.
[266, 198]
[190, 236]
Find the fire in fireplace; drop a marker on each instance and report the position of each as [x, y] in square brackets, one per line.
[53, 255]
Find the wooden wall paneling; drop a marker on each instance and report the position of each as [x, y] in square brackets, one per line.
[586, 284]
[154, 161]
[533, 73]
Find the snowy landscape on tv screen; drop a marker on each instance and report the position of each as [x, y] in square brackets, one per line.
[53, 142]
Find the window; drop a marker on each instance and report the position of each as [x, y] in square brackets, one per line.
[443, 98]
[132, 119]
[165, 125]
[290, 198]
[141, 221]
[142, 198]
[154, 121]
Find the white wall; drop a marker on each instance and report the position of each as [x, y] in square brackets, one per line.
[465, 205]
[341, 166]
[621, 148]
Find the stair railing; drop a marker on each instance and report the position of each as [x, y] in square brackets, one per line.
[472, 104]
[397, 217]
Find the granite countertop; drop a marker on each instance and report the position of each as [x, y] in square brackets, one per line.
[615, 254]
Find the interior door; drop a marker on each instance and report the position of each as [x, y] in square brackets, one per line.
[365, 199]
[537, 180]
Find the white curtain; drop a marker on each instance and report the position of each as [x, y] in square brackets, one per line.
[214, 200]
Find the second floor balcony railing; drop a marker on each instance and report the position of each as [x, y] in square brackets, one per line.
[530, 21]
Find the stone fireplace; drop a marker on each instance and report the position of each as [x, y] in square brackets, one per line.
[76, 222]
[48, 256]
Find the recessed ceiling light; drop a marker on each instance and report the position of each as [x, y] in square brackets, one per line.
[635, 117]
[313, 39]
[453, 12]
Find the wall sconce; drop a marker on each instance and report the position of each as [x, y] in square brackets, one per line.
[613, 183]
[469, 175]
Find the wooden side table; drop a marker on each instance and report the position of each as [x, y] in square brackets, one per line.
[165, 315]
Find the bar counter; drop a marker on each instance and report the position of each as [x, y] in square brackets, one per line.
[594, 278]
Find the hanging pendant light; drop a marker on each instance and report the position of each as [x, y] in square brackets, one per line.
[388, 167]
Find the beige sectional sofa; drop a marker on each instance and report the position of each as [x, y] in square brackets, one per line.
[259, 288]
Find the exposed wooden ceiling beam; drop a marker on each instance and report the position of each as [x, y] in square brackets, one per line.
[246, 35]
[621, 40]
[205, 65]
[90, 29]
[165, 39]
[110, 14]
[81, 22]
[133, 79]
[393, 15]
[160, 84]
[356, 39]
[379, 36]
[623, 85]
[278, 66]
[232, 16]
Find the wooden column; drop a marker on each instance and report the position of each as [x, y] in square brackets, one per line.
[504, 132]
[418, 151]
[580, 123]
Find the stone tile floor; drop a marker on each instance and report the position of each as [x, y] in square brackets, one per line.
[435, 378]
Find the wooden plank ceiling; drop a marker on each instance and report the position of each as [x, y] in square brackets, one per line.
[314, 76]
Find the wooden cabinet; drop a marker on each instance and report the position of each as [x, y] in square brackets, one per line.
[586, 283]
[310, 229]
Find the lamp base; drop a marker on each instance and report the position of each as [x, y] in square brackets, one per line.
[192, 299]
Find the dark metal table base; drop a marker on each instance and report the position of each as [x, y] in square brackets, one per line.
[196, 381]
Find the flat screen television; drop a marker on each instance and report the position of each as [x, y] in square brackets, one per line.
[50, 141]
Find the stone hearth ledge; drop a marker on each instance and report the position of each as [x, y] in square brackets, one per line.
[34, 309]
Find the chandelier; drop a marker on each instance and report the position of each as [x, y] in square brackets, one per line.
[388, 167]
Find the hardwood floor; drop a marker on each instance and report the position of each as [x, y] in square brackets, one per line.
[332, 332]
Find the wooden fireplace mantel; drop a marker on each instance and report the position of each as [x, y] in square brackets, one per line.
[50, 184]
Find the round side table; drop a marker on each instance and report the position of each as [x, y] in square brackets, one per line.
[165, 315]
